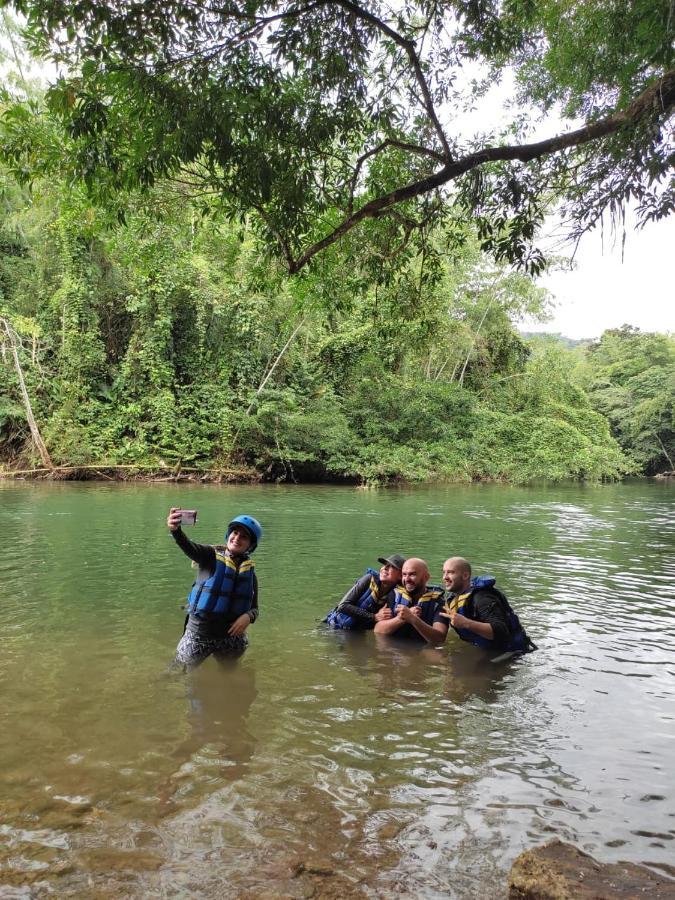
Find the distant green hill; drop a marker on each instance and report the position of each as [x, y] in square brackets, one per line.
[559, 338]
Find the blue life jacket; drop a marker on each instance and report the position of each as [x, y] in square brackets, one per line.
[430, 602]
[519, 642]
[228, 592]
[369, 600]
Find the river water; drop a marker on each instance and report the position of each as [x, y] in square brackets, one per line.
[326, 764]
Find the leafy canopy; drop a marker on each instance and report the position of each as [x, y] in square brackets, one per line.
[316, 115]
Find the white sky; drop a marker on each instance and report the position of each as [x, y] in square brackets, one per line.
[602, 291]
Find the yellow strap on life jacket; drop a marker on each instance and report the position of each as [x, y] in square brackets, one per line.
[454, 605]
[429, 595]
[404, 594]
[426, 596]
[245, 566]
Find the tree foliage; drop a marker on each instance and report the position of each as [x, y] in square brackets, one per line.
[176, 341]
[316, 116]
[631, 380]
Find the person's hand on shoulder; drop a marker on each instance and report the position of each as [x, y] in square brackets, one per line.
[173, 519]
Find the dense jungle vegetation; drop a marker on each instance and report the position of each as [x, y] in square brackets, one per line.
[266, 286]
[175, 340]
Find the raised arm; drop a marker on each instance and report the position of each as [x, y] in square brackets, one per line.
[203, 554]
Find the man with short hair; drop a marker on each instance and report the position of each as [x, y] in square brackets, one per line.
[479, 612]
[416, 609]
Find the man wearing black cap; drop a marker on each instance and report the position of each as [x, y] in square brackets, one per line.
[368, 601]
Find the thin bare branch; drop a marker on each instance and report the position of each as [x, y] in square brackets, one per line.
[14, 343]
[409, 47]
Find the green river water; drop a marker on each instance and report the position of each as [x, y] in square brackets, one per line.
[325, 764]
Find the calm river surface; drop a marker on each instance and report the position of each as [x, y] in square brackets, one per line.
[324, 765]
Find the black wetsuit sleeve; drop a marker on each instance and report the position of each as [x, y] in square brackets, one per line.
[203, 554]
[253, 611]
[488, 608]
[348, 604]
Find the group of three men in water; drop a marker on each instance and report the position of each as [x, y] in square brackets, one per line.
[396, 601]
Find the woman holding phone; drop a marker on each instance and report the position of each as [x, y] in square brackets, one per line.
[223, 601]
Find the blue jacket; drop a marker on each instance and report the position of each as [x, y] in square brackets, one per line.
[369, 601]
[228, 592]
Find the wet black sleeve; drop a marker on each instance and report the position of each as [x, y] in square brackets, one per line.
[348, 603]
[488, 608]
[203, 554]
[253, 611]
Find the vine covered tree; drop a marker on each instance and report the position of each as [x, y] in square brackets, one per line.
[316, 115]
[631, 380]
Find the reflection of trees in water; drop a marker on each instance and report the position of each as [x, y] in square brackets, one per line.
[219, 744]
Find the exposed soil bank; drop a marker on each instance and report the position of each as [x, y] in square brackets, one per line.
[148, 473]
[228, 475]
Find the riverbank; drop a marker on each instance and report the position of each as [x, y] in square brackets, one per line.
[233, 475]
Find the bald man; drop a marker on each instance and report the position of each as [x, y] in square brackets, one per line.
[417, 611]
[479, 612]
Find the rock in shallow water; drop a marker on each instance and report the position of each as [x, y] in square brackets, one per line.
[559, 871]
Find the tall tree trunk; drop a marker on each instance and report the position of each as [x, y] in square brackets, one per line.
[665, 452]
[13, 342]
[268, 374]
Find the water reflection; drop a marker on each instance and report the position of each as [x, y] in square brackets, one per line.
[331, 764]
[470, 674]
[219, 743]
[400, 666]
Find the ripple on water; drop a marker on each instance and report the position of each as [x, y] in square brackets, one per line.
[400, 773]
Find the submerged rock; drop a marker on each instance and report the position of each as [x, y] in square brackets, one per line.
[559, 871]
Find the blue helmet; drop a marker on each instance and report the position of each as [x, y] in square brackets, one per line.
[252, 525]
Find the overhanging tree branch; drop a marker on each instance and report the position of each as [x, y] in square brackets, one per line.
[409, 47]
[389, 142]
[655, 103]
